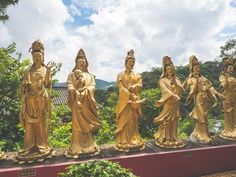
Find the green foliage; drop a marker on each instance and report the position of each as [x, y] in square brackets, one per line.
[11, 70]
[182, 72]
[60, 135]
[229, 49]
[95, 168]
[3, 8]
[101, 96]
[185, 127]
[149, 112]
[211, 70]
[150, 79]
[107, 116]
[215, 123]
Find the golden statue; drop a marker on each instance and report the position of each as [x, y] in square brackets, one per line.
[228, 82]
[203, 94]
[35, 108]
[2, 155]
[81, 88]
[171, 89]
[128, 109]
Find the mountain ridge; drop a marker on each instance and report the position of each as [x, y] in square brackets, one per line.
[100, 84]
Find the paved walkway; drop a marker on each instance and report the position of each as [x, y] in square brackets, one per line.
[231, 173]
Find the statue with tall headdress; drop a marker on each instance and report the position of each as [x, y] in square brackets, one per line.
[81, 88]
[171, 89]
[228, 83]
[204, 97]
[35, 108]
[128, 109]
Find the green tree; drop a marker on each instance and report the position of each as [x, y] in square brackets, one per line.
[11, 70]
[3, 8]
[229, 49]
[150, 79]
[60, 128]
[107, 115]
[147, 127]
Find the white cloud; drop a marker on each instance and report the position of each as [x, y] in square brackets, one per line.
[152, 28]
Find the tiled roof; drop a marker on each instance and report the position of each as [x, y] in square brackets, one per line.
[60, 95]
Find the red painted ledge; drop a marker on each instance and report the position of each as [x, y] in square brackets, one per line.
[177, 163]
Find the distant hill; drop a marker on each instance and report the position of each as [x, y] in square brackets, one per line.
[104, 85]
[100, 84]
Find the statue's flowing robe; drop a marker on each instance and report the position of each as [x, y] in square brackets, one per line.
[127, 115]
[168, 118]
[84, 115]
[35, 109]
[229, 105]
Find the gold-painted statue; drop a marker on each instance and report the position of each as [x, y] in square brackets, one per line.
[81, 88]
[171, 89]
[228, 82]
[204, 96]
[35, 108]
[2, 155]
[128, 109]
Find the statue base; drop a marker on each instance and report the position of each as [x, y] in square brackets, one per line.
[196, 139]
[170, 145]
[228, 138]
[82, 154]
[132, 148]
[21, 158]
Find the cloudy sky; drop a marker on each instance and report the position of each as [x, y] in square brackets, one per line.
[107, 29]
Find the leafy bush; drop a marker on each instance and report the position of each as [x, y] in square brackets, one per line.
[95, 168]
[60, 135]
[11, 71]
[185, 127]
[147, 127]
[107, 115]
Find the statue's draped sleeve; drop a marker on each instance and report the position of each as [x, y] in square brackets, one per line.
[90, 84]
[70, 87]
[167, 93]
[124, 94]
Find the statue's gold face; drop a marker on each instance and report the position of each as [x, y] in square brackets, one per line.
[37, 58]
[196, 69]
[230, 69]
[169, 70]
[81, 63]
[130, 63]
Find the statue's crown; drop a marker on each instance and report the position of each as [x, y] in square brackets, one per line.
[130, 54]
[166, 60]
[81, 53]
[228, 61]
[37, 46]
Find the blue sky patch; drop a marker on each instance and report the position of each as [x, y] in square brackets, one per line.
[81, 19]
[233, 4]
